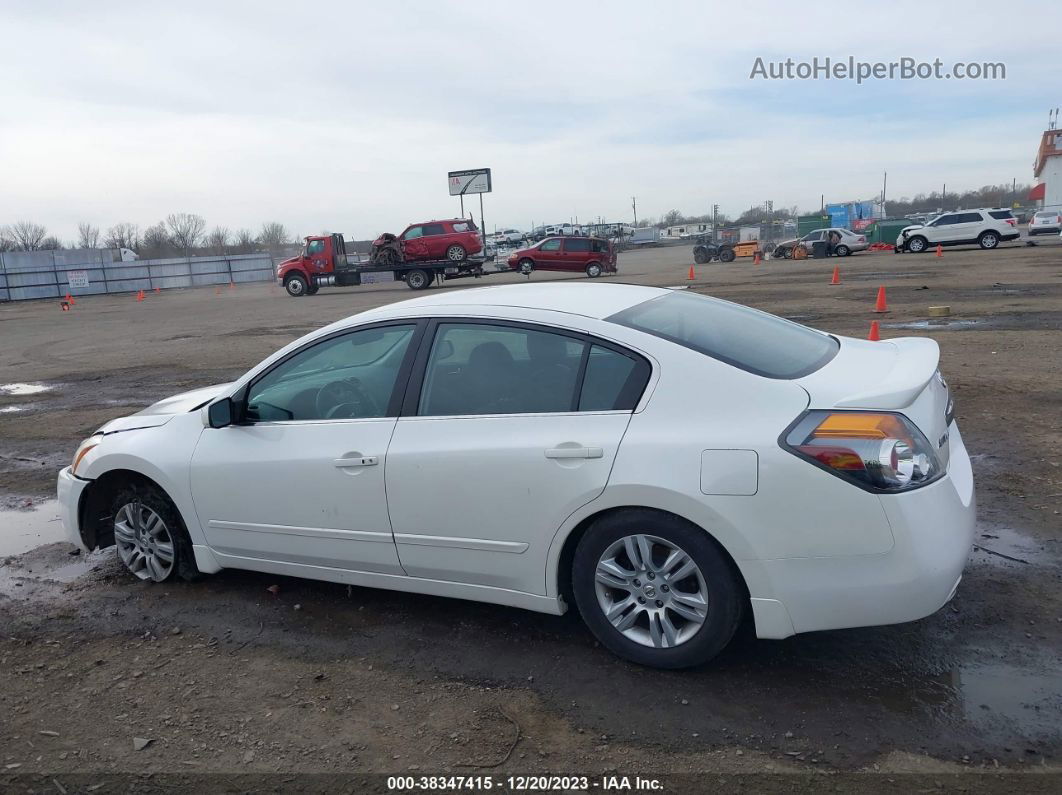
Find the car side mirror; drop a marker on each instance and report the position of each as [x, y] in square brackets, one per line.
[220, 414]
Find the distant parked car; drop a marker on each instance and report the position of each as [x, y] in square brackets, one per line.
[453, 239]
[510, 236]
[1046, 222]
[985, 228]
[850, 242]
[592, 255]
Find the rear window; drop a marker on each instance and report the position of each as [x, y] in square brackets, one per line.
[1001, 214]
[1048, 213]
[745, 338]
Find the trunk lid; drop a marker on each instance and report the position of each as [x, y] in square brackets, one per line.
[898, 375]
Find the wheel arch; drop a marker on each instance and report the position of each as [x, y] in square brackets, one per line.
[559, 565]
[94, 506]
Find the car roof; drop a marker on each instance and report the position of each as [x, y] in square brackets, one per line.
[589, 300]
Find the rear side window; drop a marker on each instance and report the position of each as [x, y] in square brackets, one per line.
[745, 338]
[613, 381]
[600, 246]
[461, 227]
[1001, 214]
[577, 246]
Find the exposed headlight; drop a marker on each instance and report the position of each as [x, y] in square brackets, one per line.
[83, 449]
[878, 450]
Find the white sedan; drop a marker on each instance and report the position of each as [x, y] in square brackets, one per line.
[672, 464]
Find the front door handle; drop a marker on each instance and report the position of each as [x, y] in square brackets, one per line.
[362, 461]
[575, 452]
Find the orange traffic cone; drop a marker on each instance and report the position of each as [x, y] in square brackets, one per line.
[140, 296]
[756, 258]
[691, 276]
[836, 275]
[881, 306]
[940, 250]
[70, 299]
[875, 332]
[158, 290]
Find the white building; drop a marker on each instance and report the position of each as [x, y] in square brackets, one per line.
[1047, 171]
[685, 230]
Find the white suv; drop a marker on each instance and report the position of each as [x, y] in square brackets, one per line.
[985, 228]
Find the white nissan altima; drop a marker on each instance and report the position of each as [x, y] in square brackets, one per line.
[670, 463]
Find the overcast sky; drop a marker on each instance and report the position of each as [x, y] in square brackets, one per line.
[347, 115]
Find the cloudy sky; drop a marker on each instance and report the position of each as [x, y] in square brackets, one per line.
[347, 115]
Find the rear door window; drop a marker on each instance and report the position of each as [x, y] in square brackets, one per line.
[745, 338]
[434, 229]
[599, 246]
[614, 381]
[577, 245]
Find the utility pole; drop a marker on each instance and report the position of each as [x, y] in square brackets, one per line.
[715, 222]
[634, 206]
[884, 182]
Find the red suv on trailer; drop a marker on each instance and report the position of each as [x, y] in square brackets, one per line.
[590, 255]
[452, 239]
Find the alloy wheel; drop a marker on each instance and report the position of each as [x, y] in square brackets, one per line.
[651, 591]
[144, 542]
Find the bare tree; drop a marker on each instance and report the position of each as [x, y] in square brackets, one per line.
[123, 235]
[185, 229]
[156, 240]
[218, 239]
[26, 235]
[244, 241]
[274, 235]
[88, 236]
[51, 243]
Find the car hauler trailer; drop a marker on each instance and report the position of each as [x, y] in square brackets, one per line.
[324, 262]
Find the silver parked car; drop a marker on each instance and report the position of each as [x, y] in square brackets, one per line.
[850, 242]
[1046, 222]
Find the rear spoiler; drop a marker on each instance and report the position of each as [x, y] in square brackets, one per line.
[916, 361]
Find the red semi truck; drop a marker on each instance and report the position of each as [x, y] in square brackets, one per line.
[324, 262]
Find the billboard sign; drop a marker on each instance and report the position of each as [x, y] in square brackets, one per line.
[474, 180]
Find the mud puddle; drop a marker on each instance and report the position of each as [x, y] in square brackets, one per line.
[1016, 321]
[23, 530]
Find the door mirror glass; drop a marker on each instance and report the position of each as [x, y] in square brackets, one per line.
[220, 414]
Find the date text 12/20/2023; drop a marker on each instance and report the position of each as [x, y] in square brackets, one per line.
[543, 783]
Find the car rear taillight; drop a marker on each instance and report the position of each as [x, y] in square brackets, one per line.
[877, 450]
[1012, 222]
[862, 238]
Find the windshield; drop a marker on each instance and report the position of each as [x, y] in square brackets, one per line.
[746, 338]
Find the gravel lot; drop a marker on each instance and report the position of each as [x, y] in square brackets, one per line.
[224, 676]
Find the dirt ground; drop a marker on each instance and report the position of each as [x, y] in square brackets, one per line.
[223, 676]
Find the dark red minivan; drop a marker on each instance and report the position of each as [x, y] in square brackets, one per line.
[590, 255]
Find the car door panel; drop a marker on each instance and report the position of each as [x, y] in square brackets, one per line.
[275, 491]
[479, 499]
[299, 478]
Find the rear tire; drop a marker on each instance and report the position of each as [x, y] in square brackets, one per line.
[726, 254]
[988, 240]
[842, 251]
[456, 253]
[296, 285]
[712, 596]
[418, 279]
[593, 270]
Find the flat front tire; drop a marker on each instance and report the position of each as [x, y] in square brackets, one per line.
[150, 536]
[655, 589]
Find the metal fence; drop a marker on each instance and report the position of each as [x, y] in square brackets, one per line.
[27, 275]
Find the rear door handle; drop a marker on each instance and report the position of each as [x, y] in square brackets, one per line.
[364, 461]
[575, 452]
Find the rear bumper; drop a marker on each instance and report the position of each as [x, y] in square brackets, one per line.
[69, 490]
[933, 529]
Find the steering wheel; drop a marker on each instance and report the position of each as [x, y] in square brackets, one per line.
[346, 400]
